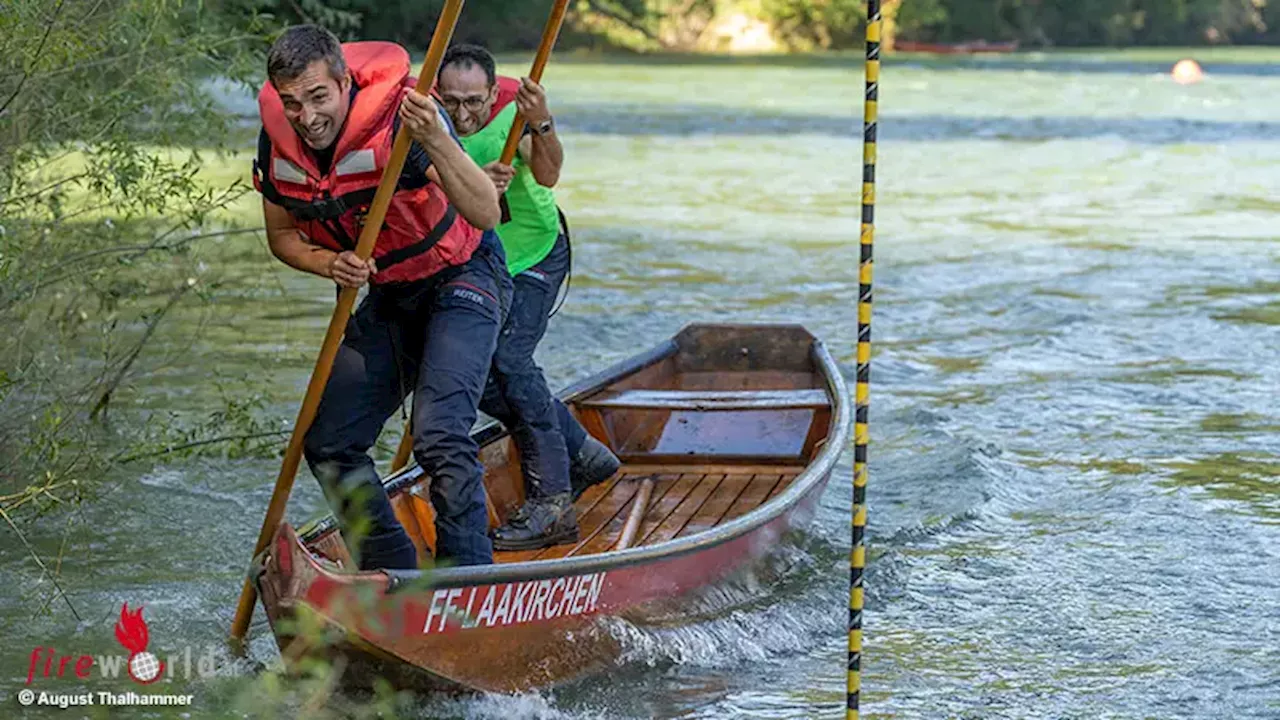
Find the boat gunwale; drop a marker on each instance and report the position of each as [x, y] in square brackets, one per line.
[815, 472]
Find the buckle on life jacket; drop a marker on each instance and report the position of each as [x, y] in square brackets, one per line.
[332, 208]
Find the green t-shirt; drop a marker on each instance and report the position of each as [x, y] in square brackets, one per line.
[535, 222]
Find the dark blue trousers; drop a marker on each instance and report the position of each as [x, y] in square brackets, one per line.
[434, 338]
[516, 393]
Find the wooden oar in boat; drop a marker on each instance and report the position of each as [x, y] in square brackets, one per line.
[445, 26]
[638, 507]
[549, 35]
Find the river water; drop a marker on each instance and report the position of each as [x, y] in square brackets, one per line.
[1074, 496]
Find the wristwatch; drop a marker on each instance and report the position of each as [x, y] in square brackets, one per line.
[544, 127]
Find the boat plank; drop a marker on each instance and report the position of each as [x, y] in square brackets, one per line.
[749, 380]
[688, 507]
[757, 491]
[712, 400]
[708, 516]
[661, 509]
[605, 537]
[783, 483]
[712, 469]
[515, 556]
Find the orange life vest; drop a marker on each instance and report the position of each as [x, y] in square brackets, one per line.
[422, 233]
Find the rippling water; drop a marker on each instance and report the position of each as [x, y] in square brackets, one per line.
[1074, 502]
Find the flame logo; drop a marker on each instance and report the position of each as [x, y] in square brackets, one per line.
[131, 631]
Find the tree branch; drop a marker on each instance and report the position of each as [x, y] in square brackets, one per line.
[137, 251]
[201, 443]
[629, 22]
[105, 398]
[302, 14]
[26, 73]
[43, 190]
[36, 557]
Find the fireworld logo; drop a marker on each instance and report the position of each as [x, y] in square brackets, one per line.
[142, 666]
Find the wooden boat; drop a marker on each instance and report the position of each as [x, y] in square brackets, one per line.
[968, 48]
[728, 434]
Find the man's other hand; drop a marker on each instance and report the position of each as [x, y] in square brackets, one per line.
[421, 118]
[349, 271]
[531, 101]
[500, 175]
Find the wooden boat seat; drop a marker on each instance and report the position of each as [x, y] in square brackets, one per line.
[710, 400]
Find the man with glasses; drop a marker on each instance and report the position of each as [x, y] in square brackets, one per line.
[558, 458]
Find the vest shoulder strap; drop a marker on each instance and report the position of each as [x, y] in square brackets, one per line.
[412, 177]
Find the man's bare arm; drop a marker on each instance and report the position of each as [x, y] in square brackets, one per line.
[545, 156]
[465, 184]
[293, 249]
[543, 152]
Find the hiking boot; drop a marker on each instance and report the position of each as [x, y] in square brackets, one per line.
[540, 522]
[593, 464]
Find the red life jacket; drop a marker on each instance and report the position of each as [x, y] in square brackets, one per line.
[507, 89]
[422, 233]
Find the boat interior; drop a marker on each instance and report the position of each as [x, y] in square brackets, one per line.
[709, 425]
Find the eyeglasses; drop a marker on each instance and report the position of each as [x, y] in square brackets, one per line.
[472, 102]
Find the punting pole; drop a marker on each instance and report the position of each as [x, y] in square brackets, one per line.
[445, 25]
[862, 397]
[549, 34]
[405, 450]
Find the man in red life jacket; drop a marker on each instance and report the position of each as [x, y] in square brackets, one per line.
[557, 456]
[438, 286]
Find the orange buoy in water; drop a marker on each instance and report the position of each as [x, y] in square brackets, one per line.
[1187, 72]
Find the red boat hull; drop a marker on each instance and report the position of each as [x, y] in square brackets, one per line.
[955, 48]
[727, 436]
[506, 637]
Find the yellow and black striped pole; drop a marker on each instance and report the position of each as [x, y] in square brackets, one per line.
[862, 397]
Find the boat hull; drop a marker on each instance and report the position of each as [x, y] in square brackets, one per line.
[728, 435]
[971, 48]
[505, 637]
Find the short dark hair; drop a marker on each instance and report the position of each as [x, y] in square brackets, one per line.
[299, 46]
[466, 56]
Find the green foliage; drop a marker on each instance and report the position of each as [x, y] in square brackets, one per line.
[97, 226]
[238, 427]
[656, 25]
[817, 24]
[1088, 22]
[500, 24]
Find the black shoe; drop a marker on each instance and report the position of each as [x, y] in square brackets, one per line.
[540, 522]
[593, 464]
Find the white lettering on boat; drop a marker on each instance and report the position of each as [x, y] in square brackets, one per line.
[540, 599]
[556, 587]
[513, 603]
[504, 608]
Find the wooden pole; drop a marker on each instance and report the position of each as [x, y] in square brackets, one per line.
[549, 34]
[405, 450]
[638, 508]
[445, 25]
[862, 396]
